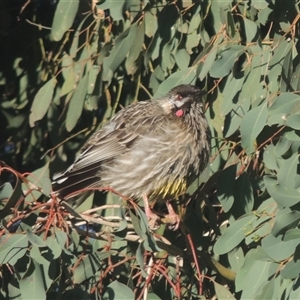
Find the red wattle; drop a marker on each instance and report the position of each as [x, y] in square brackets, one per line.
[179, 113]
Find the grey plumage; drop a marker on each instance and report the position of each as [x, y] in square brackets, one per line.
[153, 148]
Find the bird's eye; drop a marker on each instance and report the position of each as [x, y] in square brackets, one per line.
[179, 97]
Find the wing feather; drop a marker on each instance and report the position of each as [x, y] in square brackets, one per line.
[115, 138]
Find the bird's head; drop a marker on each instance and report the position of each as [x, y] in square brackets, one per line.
[180, 99]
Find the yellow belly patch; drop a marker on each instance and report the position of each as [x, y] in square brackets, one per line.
[170, 190]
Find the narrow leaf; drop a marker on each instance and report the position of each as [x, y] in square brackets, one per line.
[222, 292]
[32, 286]
[76, 103]
[42, 101]
[64, 17]
[233, 235]
[252, 124]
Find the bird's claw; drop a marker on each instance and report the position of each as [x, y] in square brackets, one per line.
[174, 221]
[153, 221]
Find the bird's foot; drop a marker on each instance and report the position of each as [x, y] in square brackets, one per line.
[173, 217]
[173, 220]
[153, 220]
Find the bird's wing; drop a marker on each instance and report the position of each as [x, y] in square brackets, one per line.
[115, 138]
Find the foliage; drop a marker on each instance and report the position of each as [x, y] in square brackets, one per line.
[66, 68]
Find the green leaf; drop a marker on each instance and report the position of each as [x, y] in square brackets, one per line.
[250, 30]
[5, 191]
[44, 258]
[117, 290]
[203, 67]
[233, 235]
[136, 224]
[235, 117]
[270, 290]
[285, 104]
[283, 146]
[293, 121]
[34, 239]
[182, 58]
[152, 296]
[68, 74]
[115, 8]
[38, 179]
[230, 24]
[293, 136]
[131, 63]
[283, 195]
[253, 79]
[140, 259]
[225, 62]
[87, 268]
[295, 78]
[277, 249]
[291, 234]
[42, 101]
[288, 172]
[195, 21]
[232, 87]
[251, 125]
[54, 246]
[269, 157]
[222, 292]
[186, 76]
[192, 41]
[295, 291]
[123, 43]
[287, 71]
[13, 196]
[251, 257]
[77, 42]
[225, 187]
[93, 75]
[263, 15]
[280, 48]
[32, 286]
[150, 23]
[258, 275]
[76, 103]
[12, 248]
[243, 194]
[285, 221]
[260, 4]
[236, 259]
[168, 61]
[291, 270]
[64, 17]
[61, 238]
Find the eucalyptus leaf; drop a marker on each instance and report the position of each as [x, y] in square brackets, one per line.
[118, 290]
[76, 103]
[63, 18]
[42, 101]
[251, 125]
[225, 61]
[32, 286]
[12, 248]
[233, 235]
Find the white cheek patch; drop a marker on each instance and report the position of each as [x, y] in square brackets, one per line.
[167, 107]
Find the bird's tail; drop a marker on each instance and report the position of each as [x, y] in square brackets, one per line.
[76, 186]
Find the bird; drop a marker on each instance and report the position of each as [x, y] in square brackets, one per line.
[150, 150]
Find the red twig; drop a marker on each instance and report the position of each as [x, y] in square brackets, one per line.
[189, 238]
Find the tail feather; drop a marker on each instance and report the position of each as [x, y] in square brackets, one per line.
[69, 184]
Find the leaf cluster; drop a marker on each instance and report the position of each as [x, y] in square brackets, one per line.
[83, 61]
